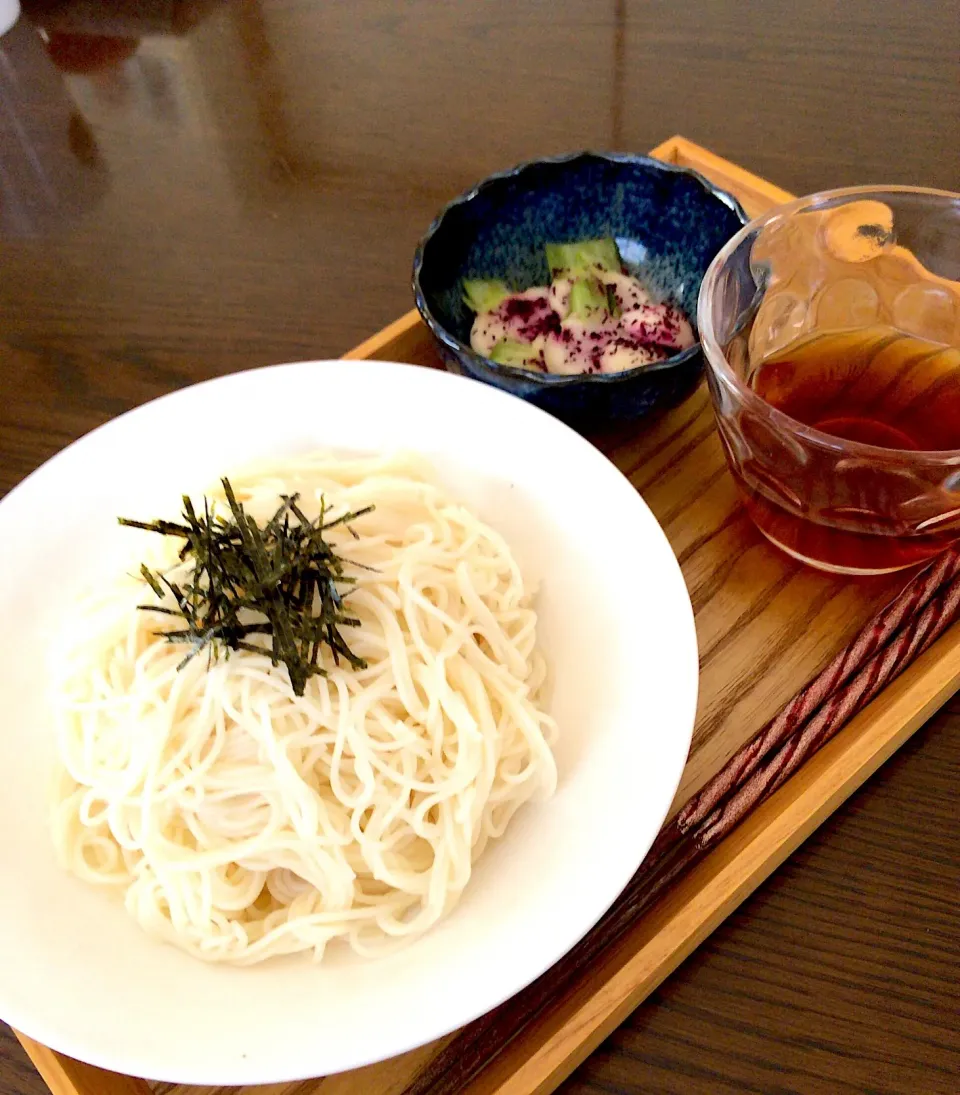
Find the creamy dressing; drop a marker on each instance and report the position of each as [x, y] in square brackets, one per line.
[596, 342]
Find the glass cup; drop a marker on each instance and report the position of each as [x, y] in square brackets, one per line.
[831, 334]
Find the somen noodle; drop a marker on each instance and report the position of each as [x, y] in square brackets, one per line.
[241, 821]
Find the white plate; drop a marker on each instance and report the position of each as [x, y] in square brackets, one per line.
[615, 622]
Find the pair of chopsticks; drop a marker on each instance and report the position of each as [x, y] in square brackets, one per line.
[884, 647]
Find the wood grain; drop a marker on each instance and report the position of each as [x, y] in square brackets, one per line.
[64, 1076]
[547, 1053]
[268, 175]
[863, 918]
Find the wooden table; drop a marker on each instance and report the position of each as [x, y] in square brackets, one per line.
[201, 187]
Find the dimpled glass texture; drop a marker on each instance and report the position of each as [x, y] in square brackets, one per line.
[831, 334]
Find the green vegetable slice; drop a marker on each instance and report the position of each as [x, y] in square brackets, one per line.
[585, 257]
[511, 352]
[588, 295]
[483, 296]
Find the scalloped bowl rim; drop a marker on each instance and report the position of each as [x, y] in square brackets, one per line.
[547, 379]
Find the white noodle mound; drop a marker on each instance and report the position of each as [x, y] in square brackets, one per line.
[243, 822]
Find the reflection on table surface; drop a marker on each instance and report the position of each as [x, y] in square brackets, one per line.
[295, 151]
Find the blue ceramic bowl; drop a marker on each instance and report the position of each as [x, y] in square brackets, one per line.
[668, 221]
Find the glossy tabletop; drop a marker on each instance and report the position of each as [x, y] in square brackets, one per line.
[192, 187]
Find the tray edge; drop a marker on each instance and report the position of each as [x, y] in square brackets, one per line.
[703, 899]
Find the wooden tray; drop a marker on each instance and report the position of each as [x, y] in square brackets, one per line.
[765, 626]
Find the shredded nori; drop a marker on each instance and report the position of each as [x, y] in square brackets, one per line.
[284, 578]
